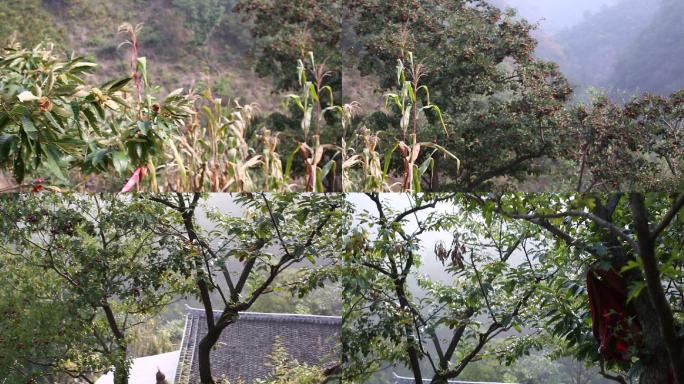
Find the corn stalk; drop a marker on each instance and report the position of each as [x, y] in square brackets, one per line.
[410, 105]
[310, 104]
[215, 144]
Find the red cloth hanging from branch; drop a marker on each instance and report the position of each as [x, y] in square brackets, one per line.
[613, 321]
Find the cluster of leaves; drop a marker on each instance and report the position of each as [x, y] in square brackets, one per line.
[504, 109]
[630, 147]
[502, 106]
[52, 122]
[240, 259]
[395, 314]
[49, 330]
[85, 274]
[598, 231]
[201, 16]
[285, 32]
[503, 112]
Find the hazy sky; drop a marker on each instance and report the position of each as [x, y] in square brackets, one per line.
[430, 265]
[558, 14]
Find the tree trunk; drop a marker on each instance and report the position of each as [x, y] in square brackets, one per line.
[415, 364]
[121, 365]
[662, 311]
[656, 368]
[204, 351]
[121, 373]
[411, 349]
[657, 371]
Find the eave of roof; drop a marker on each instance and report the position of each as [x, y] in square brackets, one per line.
[275, 317]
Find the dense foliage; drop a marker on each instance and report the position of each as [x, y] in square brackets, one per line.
[102, 269]
[85, 279]
[396, 313]
[243, 258]
[515, 264]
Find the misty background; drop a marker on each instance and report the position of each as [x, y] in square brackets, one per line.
[622, 46]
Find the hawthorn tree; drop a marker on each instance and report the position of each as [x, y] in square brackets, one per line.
[503, 108]
[394, 315]
[244, 258]
[285, 32]
[105, 270]
[632, 147]
[202, 17]
[42, 333]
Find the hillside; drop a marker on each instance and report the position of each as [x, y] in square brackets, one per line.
[187, 42]
[621, 45]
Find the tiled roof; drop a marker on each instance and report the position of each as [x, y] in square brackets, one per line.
[244, 347]
[409, 380]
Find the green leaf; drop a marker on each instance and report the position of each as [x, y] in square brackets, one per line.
[417, 187]
[118, 85]
[323, 173]
[4, 121]
[388, 159]
[428, 163]
[288, 164]
[142, 68]
[53, 156]
[53, 122]
[635, 290]
[92, 120]
[179, 161]
[7, 143]
[632, 264]
[406, 118]
[120, 161]
[29, 128]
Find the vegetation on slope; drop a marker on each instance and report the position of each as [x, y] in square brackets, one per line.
[467, 105]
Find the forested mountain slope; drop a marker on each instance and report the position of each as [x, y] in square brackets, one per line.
[654, 61]
[556, 15]
[635, 45]
[593, 48]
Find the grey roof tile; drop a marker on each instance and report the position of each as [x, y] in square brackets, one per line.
[244, 347]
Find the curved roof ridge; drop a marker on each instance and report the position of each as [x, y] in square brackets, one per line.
[284, 317]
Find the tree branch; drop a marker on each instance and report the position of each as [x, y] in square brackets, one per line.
[669, 216]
